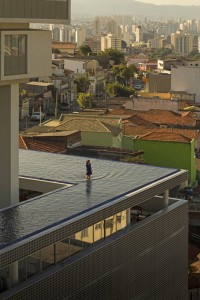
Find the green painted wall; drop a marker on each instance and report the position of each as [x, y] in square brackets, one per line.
[128, 142]
[97, 139]
[169, 154]
[117, 141]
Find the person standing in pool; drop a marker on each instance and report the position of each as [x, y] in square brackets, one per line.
[88, 169]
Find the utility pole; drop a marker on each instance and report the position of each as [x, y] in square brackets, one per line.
[56, 105]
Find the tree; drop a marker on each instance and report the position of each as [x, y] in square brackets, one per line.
[193, 53]
[85, 100]
[119, 90]
[85, 50]
[124, 73]
[116, 55]
[56, 51]
[82, 83]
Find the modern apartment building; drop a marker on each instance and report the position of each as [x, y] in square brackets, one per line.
[120, 235]
[25, 53]
[110, 41]
[182, 42]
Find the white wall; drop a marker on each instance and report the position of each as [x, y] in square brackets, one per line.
[74, 65]
[146, 104]
[38, 54]
[186, 78]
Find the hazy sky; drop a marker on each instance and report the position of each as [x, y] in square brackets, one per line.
[176, 2]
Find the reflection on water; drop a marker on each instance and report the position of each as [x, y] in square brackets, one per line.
[88, 191]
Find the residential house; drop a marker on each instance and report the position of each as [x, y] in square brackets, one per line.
[167, 149]
[64, 48]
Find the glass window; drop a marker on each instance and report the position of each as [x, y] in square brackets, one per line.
[99, 231]
[22, 270]
[15, 54]
[121, 219]
[62, 250]
[75, 245]
[110, 227]
[48, 256]
[33, 264]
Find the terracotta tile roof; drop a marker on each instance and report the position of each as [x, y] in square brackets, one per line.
[121, 111]
[140, 121]
[38, 129]
[63, 45]
[22, 144]
[88, 125]
[142, 130]
[162, 112]
[109, 120]
[167, 119]
[46, 146]
[183, 105]
[165, 137]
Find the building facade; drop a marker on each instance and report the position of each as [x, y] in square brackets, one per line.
[96, 239]
[20, 61]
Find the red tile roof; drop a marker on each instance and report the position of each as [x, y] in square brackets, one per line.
[168, 119]
[142, 130]
[165, 137]
[39, 145]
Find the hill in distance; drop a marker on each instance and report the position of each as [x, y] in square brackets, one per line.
[133, 7]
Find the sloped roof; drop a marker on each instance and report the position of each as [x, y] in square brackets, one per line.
[141, 130]
[40, 145]
[121, 111]
[140, 121]
[162, 112]
[108, 120]
[88, 125]
[38, 129]
[165, 137]
[168, 119]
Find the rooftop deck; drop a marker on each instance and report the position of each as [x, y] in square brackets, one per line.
[111, 181]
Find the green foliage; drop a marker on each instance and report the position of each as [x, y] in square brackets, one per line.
[160, 53]
[137, 159]
[57, 51]
[85, 49]
[82, 83]
[119, 90]
[116, 55]
[85, 100]
[123, 73]
[193, 53]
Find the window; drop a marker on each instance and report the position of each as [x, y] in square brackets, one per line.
[15, 54]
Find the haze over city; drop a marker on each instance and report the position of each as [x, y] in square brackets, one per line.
[153, 8]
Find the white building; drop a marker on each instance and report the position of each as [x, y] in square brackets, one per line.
[110, 41]
[80, 36]
[186, 79]
[181, 42]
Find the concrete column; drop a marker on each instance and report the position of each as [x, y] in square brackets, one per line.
[9, 148]
[166, 198]
[13, 270]
[128, 217]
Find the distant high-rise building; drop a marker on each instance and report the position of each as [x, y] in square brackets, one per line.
[139, 34]
[80, 36]
[96, 30]
[110, 41]
[182, 42]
